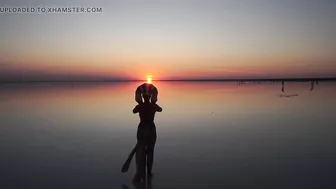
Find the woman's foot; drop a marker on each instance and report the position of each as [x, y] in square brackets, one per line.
[149, 174]
[137, 178]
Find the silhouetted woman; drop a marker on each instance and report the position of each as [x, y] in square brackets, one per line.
[146, 136]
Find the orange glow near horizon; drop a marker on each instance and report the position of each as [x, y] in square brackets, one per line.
[149, 79]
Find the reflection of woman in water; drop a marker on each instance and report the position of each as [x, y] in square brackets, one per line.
[146, 134]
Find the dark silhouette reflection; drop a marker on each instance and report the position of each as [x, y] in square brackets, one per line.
[289, 95]
[313, 82]
[141, 185]
[124, 186]
[128, 161]
[240, 82]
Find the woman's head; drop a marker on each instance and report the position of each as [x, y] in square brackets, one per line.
[146, 92]
[146, 98]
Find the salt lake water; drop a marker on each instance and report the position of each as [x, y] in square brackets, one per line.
[210, 135]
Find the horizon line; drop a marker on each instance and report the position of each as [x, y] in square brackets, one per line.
[179, 80]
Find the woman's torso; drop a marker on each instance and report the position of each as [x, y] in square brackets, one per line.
[147, 112]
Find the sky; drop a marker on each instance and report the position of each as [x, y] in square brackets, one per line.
[169, 39]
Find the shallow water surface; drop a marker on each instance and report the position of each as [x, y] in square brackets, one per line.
[210, 135]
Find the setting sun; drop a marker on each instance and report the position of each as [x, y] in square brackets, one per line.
[149, 79]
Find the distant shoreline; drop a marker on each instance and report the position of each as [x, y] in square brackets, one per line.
[178, 80]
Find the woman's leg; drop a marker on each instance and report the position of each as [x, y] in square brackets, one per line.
[140, 156]
[150, 151]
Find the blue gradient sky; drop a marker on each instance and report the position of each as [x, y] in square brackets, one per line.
[170, 39]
